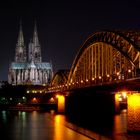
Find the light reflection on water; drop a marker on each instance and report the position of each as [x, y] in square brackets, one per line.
[20, 125]
[60, 134]
[4, 116]
[120, 122]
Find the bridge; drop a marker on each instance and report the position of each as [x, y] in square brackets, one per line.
[105, 71]
[105, 57]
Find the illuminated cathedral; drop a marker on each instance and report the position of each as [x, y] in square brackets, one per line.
[28, 67]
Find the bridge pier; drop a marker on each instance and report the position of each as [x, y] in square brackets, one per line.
[117, 103]
[91, 108]
[60, 103]
[133, 116]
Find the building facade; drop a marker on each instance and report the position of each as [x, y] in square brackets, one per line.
[28, 67]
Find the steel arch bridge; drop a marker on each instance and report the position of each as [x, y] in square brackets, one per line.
[106, 56]
[59, 80]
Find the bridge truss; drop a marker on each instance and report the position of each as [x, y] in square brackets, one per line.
[106, 56]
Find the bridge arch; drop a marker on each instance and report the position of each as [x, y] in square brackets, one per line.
[106, 56]
[59, 79]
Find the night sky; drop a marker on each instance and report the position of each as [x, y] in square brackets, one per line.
[63, 26]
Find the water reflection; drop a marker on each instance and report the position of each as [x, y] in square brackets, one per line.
[58, 133]
[4, 116]
[120, 122]
[20, 125]
[120, 126]
[62, 132]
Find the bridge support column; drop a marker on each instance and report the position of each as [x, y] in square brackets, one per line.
[117, 104]
[133, 118]
[61, 103]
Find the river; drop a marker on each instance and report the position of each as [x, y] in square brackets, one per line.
[37, 125]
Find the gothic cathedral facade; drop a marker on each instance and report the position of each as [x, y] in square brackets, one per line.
[28, 67]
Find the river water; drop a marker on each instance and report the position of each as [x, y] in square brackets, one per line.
[20, 125]
[36, 125]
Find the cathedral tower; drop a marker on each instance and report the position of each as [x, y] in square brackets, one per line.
[20, 52]
[32, 70]
[34, 53]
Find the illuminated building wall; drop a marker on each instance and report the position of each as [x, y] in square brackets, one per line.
[31, 69]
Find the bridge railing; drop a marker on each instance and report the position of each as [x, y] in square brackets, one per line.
[88, 83]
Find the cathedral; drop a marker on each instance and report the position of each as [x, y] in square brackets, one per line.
[28, 67]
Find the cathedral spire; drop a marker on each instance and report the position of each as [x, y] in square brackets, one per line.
[20, 41]
[34, 50]
[35, 36]
[20, 55]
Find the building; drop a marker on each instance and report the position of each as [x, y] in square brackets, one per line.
[28, 67]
